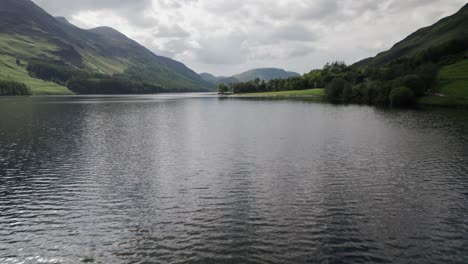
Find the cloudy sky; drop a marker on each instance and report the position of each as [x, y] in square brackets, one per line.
[225, 37]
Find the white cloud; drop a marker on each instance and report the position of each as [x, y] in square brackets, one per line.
[226, 36]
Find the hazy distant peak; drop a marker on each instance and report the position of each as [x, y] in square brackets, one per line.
[267, 69]
[265, 74]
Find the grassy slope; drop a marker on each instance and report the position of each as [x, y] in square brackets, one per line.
[452, 84]
[453, 79]
[443, 101]
[286, 94]
[26, 47]
[9, 70]
[13, 46]
[103, 65]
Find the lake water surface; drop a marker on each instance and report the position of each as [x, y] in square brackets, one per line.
[201, 179]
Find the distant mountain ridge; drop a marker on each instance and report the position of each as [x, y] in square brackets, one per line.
[28, 32]
[265, 74]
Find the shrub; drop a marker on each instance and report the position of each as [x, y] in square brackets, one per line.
[428, 74]
[335, 88]
[49, 72]
[348, 94]
[369, 93]
[414, 83]
[13, 88]
[112, 85]
[401, 96]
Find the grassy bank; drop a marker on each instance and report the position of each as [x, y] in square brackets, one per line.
[443, 101]
[319, 94]
[10, 71]
[451, 87]
[311, 93]
[453, 80]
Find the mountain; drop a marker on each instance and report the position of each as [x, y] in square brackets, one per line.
[451, 28]
[29, 33]
[265, 74]
[209, 77]
[228, 80]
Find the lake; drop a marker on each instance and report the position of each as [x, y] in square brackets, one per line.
[193, 178]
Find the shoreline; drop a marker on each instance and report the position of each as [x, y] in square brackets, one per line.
[316, 95]
[437, 101]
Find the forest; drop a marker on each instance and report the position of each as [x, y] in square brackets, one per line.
[12, 88]
[82, 82]
[398, 83]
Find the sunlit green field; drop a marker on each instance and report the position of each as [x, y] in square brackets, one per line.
[453, 80]
[452, 84]
[295, 93]
[443, 101]
[26, 47]
[10, 71]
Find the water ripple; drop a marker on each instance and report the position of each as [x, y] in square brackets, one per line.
[171, 179]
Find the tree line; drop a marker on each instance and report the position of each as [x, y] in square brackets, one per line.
[399, 83]
[112, 86]
[12, 88]
[83, 82]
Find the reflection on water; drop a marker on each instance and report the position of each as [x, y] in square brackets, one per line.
[197, 179]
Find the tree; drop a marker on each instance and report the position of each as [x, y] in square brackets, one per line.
[8, 88]
[347, 93]
[414, 83]
[401, 96]
[334, 89]
[369, 93]
[222, 88]
[428, 74]
[262, 86]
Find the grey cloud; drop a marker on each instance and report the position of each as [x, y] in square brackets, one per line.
[292, 32]
[319, 10]
[60, 7]
[301, 51]
[132, 10]
[174, 31]
[219, 35]
[222, 50]
[398, 5]
[175, 3]
[223, 8]
[176, 46]
[172, 48]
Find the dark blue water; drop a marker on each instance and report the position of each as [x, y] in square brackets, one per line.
[198, 179]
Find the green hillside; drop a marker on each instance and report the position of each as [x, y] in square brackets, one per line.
[453, 80]
[27, 32]
[451, 28]
[10, 71]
